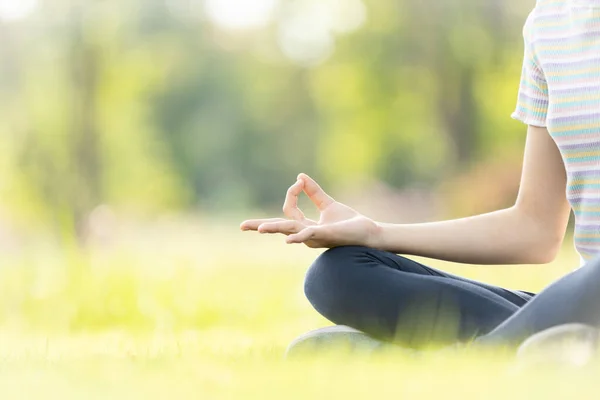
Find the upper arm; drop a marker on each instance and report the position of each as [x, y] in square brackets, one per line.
[542, 193]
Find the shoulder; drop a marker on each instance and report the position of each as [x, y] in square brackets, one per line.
[530, 23]
[545, 14]
[551, 4]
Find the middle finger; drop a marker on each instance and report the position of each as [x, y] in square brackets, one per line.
[253, 224]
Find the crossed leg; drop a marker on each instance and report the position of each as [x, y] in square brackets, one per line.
[393, 298]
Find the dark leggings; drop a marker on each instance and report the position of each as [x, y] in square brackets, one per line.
[393, 298]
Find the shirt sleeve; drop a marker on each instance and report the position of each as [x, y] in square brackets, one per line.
[532, 102]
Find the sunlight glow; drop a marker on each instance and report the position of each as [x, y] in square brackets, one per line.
[11, 10]
[305, 39]
[240, 14]
[308, 28]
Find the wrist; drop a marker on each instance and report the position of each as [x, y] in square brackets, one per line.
[375, 237]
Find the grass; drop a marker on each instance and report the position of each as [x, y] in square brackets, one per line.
[188, 310]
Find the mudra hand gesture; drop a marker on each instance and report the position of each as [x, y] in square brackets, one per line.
[338, 225]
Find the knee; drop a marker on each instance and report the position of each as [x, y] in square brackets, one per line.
[331, 278]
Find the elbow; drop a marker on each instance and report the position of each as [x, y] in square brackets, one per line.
[541, 258]
[543, 252]
[541, 237]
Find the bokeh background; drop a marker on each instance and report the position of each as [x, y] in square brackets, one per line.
[171, 106]
[135, 135]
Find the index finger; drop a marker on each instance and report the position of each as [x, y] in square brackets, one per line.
[253, 224]
[290, 206]
[314, 192]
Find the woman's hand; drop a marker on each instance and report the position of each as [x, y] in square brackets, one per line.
[338, 225]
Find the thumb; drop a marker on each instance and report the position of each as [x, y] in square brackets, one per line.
[315, 193]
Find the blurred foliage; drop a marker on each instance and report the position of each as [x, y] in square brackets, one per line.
[151, 105]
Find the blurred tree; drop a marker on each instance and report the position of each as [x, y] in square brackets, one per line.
[79, 139]
[86, 191]
[147, 105]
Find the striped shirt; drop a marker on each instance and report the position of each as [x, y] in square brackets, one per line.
[560, 90]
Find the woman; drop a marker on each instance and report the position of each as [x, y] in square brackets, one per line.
[361, 282]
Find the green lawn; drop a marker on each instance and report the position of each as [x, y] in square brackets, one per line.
[186, 311]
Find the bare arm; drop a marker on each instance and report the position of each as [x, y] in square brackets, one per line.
[529, 232]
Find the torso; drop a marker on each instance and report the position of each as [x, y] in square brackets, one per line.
[566, 39]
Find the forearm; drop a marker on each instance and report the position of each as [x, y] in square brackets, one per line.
[507, 236]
